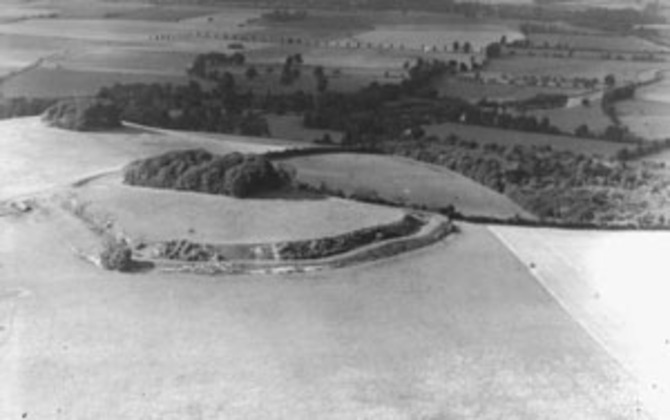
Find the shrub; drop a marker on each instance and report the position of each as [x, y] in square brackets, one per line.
[116, 255]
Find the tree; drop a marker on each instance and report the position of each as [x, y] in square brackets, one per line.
[467, 48]
[251, 73]
[610, 80]
[456, 46]
[493, 50]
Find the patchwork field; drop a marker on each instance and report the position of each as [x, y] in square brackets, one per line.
[511, 137]
[612, 284]
[403, 180]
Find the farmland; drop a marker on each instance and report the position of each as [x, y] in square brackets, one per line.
[491, 321]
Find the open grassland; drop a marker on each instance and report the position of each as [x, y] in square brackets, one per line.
[457, 330]
[613, 284]
[403, 180]
[20, 51]
[159, 215]
[36, 157]
[485, 135]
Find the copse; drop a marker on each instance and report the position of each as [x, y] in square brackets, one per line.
[84, 115]
[198, 170]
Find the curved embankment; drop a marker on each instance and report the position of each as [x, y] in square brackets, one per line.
[434, 228]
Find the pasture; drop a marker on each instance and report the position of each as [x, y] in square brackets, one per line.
[568, 119]
[160, 215]
[474, 91]
[403, 180]
[612, 284]
[648, 119]
[601, 42]
[290, 127]
[510, 138]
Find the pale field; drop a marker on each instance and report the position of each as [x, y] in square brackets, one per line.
[648, 119]
[417, 36]
[614, 284]
[459, 330]
[35, 157]
[398, 178]
[20, 51]
[160, 215]
[510, 138]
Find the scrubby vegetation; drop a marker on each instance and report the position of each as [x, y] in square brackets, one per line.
[84, 115]
[198, 170]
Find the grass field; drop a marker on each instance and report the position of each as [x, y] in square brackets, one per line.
[290, 127]
[401, 179]
[613, 285]
[159, 215]
[568, 119]
[472, 91]
[511, 137]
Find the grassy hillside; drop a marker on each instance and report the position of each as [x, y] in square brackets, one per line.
[403, 180]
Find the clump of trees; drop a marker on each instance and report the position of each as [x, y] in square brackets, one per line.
[198, 170]
[84, 115]
[116, 255]
[207, 65]
[22, 107]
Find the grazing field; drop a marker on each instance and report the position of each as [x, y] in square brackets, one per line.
[511, 137]
[61, 82]
[160, 215]
[20, 51]
[613, 284]
[418, 36]
[647, 119]
[35, 157]
[401, 179]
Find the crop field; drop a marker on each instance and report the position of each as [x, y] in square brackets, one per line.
[38, 157]
[541, 66]
[60, 82]
[418, 36]
[597, 42]
[159, 215]
[647, 119]
[404, 180]
[511, 137]
[612, 283]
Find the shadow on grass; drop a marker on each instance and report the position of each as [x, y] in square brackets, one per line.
[290, 194]
[139, 267]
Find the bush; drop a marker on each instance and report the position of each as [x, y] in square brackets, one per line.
[116, 255]
[83, 115]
